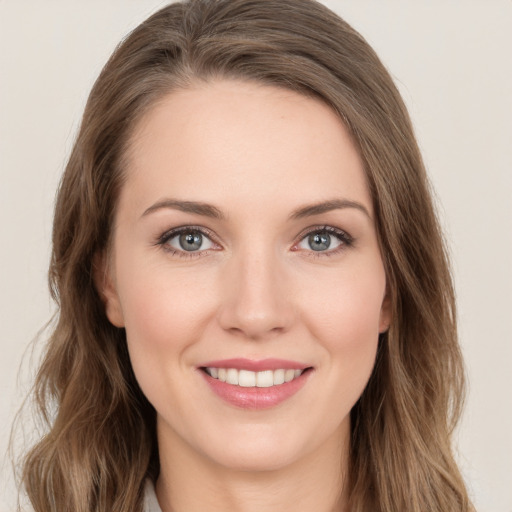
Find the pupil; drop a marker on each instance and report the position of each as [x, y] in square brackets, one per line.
[191, 241]
[319, 241]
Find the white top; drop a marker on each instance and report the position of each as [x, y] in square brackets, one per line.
[150, 501]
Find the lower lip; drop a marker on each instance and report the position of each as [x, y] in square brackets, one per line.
[254, 397]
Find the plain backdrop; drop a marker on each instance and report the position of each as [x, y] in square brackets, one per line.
[451, 60]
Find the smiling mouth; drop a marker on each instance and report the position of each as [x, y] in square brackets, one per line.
[250, 379]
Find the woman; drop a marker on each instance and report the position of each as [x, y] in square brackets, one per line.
[255, 305]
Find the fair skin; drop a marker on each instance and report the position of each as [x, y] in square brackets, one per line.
[263, 276]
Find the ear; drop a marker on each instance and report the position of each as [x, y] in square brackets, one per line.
[385, 314]
[107, 290]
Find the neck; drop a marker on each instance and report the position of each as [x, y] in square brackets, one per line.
[188, 481]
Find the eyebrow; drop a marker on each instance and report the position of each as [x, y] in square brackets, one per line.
[204, 209]
[327, 206]
[208, 210]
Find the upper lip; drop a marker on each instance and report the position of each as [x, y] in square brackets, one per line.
[255, 365]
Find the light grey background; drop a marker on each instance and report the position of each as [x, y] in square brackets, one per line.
[452, 62]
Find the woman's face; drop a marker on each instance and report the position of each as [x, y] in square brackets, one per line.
[245, 249]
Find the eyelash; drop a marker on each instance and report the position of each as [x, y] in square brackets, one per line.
[343, 237]
[172, 233]
[346, 241]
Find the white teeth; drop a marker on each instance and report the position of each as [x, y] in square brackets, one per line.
[232, 376]
[248, 379]
[279, 377]
[289, 375]
[265, 379]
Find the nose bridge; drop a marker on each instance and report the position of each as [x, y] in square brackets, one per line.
[256, 302]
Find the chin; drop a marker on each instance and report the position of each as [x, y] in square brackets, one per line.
[259, 457]
[264, 448]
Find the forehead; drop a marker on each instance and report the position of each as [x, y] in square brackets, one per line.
[239, 143]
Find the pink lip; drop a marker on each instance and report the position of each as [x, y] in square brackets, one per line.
[255, 398]
[256, 366]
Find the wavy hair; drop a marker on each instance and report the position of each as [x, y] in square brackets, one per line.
[100, 444]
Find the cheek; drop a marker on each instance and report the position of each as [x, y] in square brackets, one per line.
[342, 312]
[344, 318]
[348, 302]
[164, 314]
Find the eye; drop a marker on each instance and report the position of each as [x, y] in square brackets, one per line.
[325, 239]
[186, 240]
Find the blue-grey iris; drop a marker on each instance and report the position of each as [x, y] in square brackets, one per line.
[191, 241]
[319, 241]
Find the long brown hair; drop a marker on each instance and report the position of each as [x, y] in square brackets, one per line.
[101, 443]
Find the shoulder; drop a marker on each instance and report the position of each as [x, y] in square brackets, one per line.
[150, 500]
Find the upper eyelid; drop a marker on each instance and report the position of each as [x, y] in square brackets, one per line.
[325, 227]
[171, 233]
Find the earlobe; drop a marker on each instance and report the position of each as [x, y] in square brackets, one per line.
[385, 314]
[105, 285]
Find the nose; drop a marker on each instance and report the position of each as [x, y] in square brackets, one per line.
[256, 300]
